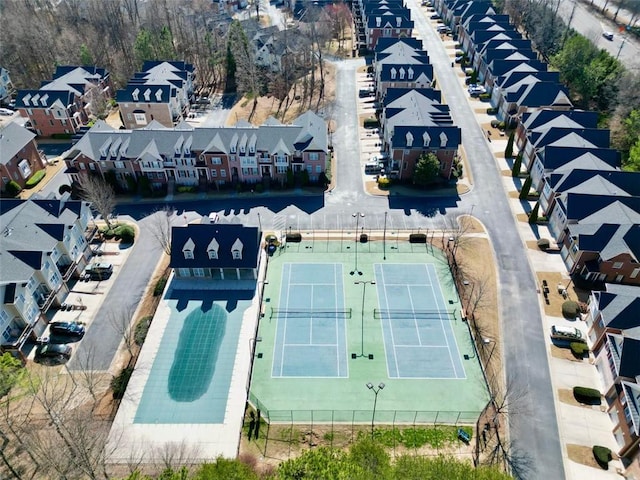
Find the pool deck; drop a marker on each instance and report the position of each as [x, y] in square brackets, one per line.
[147, 443]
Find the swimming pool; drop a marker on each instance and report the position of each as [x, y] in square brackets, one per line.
[191, 373]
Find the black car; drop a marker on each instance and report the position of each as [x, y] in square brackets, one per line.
[72, 329]
[53, 351]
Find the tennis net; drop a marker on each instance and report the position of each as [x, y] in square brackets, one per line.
[423, 314]
[310, 312]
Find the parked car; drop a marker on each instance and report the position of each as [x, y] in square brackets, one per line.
[97, 271]
[443, 29]
[475, 90]
[213, 217]
[435, 16]
[608, 35]
[71, 329]
[53, 351]
[572, 334]
[6, 112]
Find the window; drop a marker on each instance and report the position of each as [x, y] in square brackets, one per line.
[313, 156]
[141, 118]
[635, 273]
[318, 168]
[188, 254]
[183, 272]
[214, 173]
[82, 166]
[236, 255]
[216, 161]
[198, 272]
[119, 164]
[213, 255]
[223, 173]
[281, 169]
[7, 333]
[617, 265]
[92, 166]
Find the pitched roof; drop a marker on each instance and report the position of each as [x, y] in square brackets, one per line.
[13, 138]
[600, 209]
[609, 240]
[200, 238]
[619, 311]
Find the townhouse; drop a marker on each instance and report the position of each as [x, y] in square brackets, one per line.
[19, 155]
[63, 105]
[205, 157]
[161, 92]
[45, 243]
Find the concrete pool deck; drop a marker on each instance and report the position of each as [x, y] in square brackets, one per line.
[149, 443]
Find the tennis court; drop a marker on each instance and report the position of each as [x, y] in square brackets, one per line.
[417, 328]
[311, 332]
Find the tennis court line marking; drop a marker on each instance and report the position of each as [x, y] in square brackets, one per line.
[446, 337]
[386, 301]
[441, 297]
[415, 320]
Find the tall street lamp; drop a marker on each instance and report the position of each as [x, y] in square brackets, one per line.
[357, 216]
[375, 401]
[364, 284]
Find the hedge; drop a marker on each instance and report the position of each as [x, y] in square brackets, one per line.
[579, 349]
[294, 237]
[383, 182]
[570, 309]
[159, 287]
[13, 188]
[126, 233]
[587, 395]
[492, 111]
[35, 179]
[602, 455]
[141, 330]
[418, 238]
[119, 382]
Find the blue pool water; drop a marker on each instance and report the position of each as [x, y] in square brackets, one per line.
[191, 374]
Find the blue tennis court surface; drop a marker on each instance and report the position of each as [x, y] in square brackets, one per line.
[310, 334]
[416, 323]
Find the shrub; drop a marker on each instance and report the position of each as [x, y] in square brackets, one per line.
[543, 243]
[517, 165]
[492, 111]
[364, 238]
[142, 327]
[383, 183]
[533, 218]
[501, 125]
[495, 123]
[119, 382]
[13, 188]
[590, 396]
[186, 189]
[64, 189]
[508, 151]
[602, 456]
[371, 123]
[35, 179]
[570, 309]
[579, 349]
[294, 237]
[159, 286]
[484, 97]
[126, 233]
[417, 238]
[526, 188]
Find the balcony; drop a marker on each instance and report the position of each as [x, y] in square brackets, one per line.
[297, 159]
[264, 159]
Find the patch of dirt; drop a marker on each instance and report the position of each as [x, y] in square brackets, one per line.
[566, 396]
[522, 217]
[583, 455]
[564, 353]
[554, 307]
[268, 106]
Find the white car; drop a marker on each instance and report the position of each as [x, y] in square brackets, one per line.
[213, 217]
[608, 35]
[6, 112]
[475, 90]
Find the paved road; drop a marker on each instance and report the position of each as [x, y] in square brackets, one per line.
[533, 425]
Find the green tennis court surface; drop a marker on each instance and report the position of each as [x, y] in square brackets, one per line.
[325, 334]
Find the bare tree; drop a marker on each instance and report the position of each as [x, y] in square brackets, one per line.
[160, 228]
[101, 195]
[121, 320]
[177, 454]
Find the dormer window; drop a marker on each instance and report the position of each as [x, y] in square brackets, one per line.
[147, 95]
[409, 138]
[378, 22]
[443, 140]
[188, 248]
[212, 249]
[394, 72]
[398, 22]
[158, 95]
[236, 249]
[402, 74]
[135, 94]
[426, 139]
[410, 73]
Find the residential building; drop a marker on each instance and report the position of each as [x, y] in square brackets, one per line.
[6, 87]
[44, 243]
[206, 157]
[19, 155]
[161, 92]
[64, 104]
[215, 254]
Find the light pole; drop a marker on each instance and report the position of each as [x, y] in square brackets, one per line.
[487, 341]
[357, 216]
[375, 401]
[364, 284]
[384, 238]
